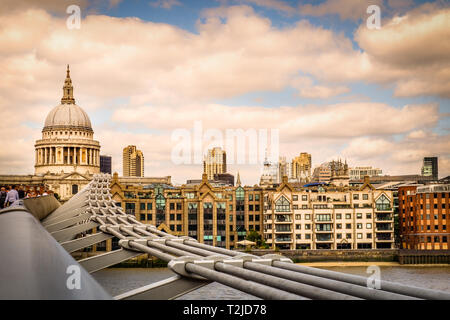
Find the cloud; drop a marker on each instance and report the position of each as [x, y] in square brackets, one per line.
[412, 51]
[345, 9]
[274, 4]
[308, 90]
[165, 4]
[155, 77]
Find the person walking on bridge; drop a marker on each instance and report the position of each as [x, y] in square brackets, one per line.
[12, 196]
[2, 197]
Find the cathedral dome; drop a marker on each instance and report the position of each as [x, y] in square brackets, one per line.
[67, 116]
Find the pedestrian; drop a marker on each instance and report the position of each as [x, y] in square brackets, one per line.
[2, 197]
[21, 192]
[11, 197]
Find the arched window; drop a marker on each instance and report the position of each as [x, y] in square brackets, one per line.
[240, 193]
[160, 202]
[282, 205]
[383, 203]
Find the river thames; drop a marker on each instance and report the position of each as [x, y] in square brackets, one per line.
[120, 280]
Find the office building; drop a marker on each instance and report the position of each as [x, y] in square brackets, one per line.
[215, 162]
[133, 162]
[430, 167]
[105, 164]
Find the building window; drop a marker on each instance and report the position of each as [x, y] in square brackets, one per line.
[348, 226]
[368, 226]
[178, 206]
[149, 216]
[295, 197]
[142, 206]
[338, 235]
[178, 227]
[348, 216]
[149, 206]
[282, 205]
[298, 226]
[256, 197]
[257, 208]
[359, 226]
[359, 216]
[368, 216]
[250, 207]
[355, 196]
[348, 235]
[308, 236]
[383, 203]
[142, 217]
[172, 217]
[307, 217]
[179, 217]
[359, 235]
[172, 206]
[339, 226]
[298, 217]
[295, 207]
[240, 193]
[365, 197]
[304, 198]
[307, 226]
[250, 197]
[338, 216]
[369, 236]
[74, 189]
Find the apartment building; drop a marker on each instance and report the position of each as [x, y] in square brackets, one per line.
[328, 217]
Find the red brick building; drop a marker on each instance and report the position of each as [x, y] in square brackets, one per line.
[424, 216]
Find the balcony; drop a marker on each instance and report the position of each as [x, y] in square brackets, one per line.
[283, 218]
[384, 237]
[383, 217]
[283, 230]
[324, 237]
[381, 208]
[283, 239]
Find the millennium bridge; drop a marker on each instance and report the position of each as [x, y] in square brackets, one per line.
[37, 236]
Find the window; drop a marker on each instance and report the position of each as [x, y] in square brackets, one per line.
[179, 217]
[250, 217]
[250, 207]
[257, 207]
[298, 236]
[304, 198]
[323, 217]
[172, 227]
[295, 207]
[383, 203]
[359, 226]
[256, 197]
[172, 217]
[149, 206]
[359, 216]
[298, 226]
[250, 197]
[178, 206]
[240, 193]
[307, 226]
[282, 205]
[295, 197]
[348, 226]
[149, 216]
[304, 206]
[308, 236]
[339, 226]
[348, 216]
[307, 217]
[338, 216]
[369, 236]
[298, 217]
[368, 226]
[338, 235]
[348, 235]
[178, 227]
[172, 206]
[359, 235]
[142, 217]
[142, 206]
[368, 216]
[365, 197]
[355, 196]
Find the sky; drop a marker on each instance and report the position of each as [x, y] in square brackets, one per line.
[150, 73]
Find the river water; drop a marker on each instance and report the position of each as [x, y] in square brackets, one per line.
[120, 280]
